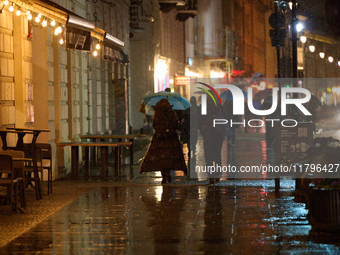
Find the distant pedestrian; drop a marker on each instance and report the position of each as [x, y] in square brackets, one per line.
[193, 124]
[148, 117]
[228, 114]
[189, 129]
[165, 151]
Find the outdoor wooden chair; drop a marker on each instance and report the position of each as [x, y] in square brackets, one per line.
[46, 154]
[18, 167]
[7, 180]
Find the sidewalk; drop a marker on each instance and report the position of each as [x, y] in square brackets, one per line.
[142, 216]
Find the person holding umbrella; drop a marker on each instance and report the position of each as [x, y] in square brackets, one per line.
[165, 151]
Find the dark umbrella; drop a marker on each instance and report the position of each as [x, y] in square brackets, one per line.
[227, 95]
[263, 94]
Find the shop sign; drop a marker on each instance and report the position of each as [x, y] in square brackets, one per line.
[182, 80]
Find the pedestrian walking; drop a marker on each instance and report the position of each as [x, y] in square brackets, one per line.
[189, 129]
[165, 151]
[212, 137]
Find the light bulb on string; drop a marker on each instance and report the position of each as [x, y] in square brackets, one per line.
[61, 41]
[6, 2]
[52, 23]
[39, 15]
[303, 39]
[37, 19]
[98, 46]
[44, 23]
[11, 8]
[57, 31]
[95, 53]
[18, 12]
[29, 16]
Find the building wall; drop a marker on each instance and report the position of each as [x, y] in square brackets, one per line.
[145, 45]
[103, 75]
[173, 46]
[249, 21]
[7, 86]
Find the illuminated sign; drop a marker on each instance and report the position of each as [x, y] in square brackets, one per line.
[182, 80]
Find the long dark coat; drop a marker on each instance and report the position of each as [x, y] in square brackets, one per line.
[165, 151]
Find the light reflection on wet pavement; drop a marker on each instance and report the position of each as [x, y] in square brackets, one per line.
[185, 217]
[175, 219]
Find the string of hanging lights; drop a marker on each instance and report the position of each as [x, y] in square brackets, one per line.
[312, 49]
[44, 18]
[37, 19]
[40, 20]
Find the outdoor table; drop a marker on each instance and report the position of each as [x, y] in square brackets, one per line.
[129, 137]
[104, 157]
[21, 132]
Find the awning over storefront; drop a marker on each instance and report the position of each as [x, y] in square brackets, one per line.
[114, 53]
[79, 23]
[112, 49]
[78, 33]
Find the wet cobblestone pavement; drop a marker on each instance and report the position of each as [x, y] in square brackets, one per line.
[186, 217]
[175, 219]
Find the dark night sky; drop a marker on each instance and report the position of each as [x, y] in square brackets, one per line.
[315, 11]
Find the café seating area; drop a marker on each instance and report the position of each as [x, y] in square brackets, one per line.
[22, 167]
[32, 161]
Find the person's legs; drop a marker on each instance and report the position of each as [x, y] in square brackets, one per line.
[218, 158]
[168, 176]
[164, 175]
[233, 135]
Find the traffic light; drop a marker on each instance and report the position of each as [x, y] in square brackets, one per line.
[278, 37]
[278, 34]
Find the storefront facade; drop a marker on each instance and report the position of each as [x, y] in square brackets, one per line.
[59, 85]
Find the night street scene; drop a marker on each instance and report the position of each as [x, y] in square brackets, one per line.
[169, 127]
